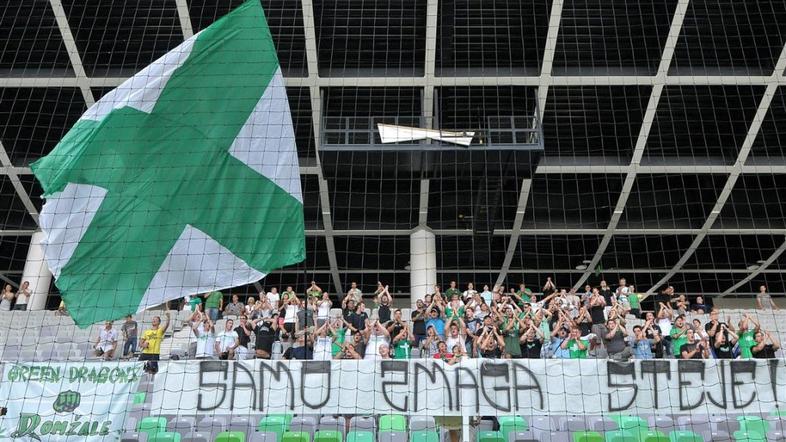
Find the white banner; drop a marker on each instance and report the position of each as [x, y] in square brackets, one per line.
[66, 401]
[474, 387]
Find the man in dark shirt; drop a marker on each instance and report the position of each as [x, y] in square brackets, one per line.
[763, 349]
[694, 348]
[531, 343]
[714, 325]
[419, 322]
[267, 333]
[301, 350]
[244, 331]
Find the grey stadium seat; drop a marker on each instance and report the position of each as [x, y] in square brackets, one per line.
[196, 437]
[392, 436]
[330, 423]
[363, 423]
[422, 423]
[264, 436]
[133, 437]
[182, 425]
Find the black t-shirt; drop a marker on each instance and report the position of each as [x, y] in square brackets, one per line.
[418, 325]
[242, 336]
[358, 320]
[301, 353]
[718, 329]
[491, 354]
[689, 348]
[397, 327]
[606, 293]
[724, 351]
[596, 313]
[768, 352]
[266, 336]
[531, 349]
[585, 327]
[384, 313]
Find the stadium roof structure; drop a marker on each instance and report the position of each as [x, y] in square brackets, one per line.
[663, 129]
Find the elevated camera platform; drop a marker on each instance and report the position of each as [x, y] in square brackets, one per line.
[376, 147]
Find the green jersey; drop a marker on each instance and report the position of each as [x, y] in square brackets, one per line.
[450, 292]
[633, 298]
[450, 313]
[575, 351]
[194, 302]
[213, 300]
[525, 295]
[402, 349]
[338, 340]
[678, 342]
[747, 342]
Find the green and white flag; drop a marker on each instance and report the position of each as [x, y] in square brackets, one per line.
[182, 180]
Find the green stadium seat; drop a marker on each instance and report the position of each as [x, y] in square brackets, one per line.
[152, 425]
[743, 436]
[423, 436]
[685, 436]
[164, 436]
[392, 422]
[631, 423]
[490, 436]
[277, 424]
[296, 436]
[587, 436]
[231, 436]
[621, 436]
[753, 424]
[360, 436]
[511, 424]
[328, 436]
[139, 398]
[653, 436]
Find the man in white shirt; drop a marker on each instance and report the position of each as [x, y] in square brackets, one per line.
[273, 297]
[107, 342]
[227, 341]
[469, 293]
[487, 295]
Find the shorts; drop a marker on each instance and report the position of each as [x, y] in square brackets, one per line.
[151, 362]
[636, 312]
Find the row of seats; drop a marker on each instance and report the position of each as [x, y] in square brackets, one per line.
[397, 428]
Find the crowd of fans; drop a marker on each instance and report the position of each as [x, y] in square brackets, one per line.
[490, 323]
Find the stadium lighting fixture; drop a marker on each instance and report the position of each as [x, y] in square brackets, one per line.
[581, 267]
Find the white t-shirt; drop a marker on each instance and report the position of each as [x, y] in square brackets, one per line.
[205, 347]
[106, 338]
[372, 348]
[487, 296]
[451, 342]
[324, 309]
[323, 347]
[274, 298]
[290, 315]
[665, 326]
[226, 339]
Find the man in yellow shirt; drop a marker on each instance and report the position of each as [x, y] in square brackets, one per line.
[151, 344]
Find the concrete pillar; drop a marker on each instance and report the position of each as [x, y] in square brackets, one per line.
[422, 264]
[37, 273]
